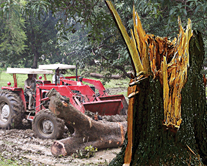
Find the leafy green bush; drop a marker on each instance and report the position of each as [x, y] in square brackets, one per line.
[88, 152]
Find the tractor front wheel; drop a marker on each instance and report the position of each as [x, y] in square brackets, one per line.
[11, 110]
[46, 125]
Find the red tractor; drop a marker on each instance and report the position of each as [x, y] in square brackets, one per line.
[91, 93]
[13, 102]
[13, 107]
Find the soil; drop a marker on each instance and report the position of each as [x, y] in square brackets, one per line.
[21, 146]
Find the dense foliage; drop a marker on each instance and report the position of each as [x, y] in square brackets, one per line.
[26, 37]
[41, 40]
[83, 30]
[12, 34]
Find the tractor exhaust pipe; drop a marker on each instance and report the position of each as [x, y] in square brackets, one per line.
[76, 71]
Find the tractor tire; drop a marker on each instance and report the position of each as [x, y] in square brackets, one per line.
[11, 110]
[46, 125]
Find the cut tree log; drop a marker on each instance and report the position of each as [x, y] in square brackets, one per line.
[87, 131]
[96, 75]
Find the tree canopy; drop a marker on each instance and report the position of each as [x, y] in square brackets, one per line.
[91, 25]
[27, 36]
[12, 32]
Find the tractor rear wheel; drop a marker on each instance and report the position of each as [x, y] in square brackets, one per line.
[11, 110]
[47, 126]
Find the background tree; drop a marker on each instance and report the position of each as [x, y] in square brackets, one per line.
[100, 38]
[41, 40]
[28, 34]
[12, 34]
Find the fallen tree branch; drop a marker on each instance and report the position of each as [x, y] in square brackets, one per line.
[96, 75]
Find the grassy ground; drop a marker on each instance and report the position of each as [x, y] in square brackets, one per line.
[7, 162]
[5, 77]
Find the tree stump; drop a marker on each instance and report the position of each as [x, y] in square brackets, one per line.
[152, 144]
[167, 107]
[101, 135]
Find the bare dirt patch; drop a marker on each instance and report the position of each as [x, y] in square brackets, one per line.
[23, 147]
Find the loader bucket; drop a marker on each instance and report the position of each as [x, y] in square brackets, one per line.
[106, 107]
[115, 97]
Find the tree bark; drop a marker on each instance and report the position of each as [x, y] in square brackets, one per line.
[36, 56]
[35, 51]
[152, 143]
[87, 131]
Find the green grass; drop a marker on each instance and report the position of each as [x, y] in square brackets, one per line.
[114, 83]
[5, 77]
[8, 162]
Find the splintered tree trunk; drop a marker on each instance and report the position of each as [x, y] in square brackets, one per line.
[87, 131]
[167, 105]
[153, 143]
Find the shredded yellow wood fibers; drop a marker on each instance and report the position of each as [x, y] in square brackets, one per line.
[177, 77]
[128, 151]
